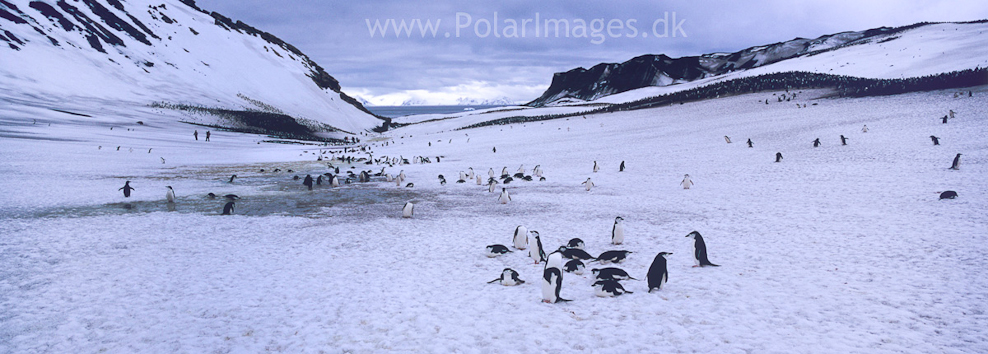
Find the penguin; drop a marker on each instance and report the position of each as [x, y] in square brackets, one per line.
[319, 180]
[232, 178]
[658, 273]
[504, 171]
[595, 167]
[231, 197]
[948, 195]
[504, 198]
[442, 181]
[211, 195]
[621, 168]
[843, 140]
[490, 187]
[611, 273]
[956, 165]
[496, 250]
[864, 129]
[687, 182]
[228, 208]
[728, 139]
[936, 140]
[537, 171]
[509, 277]
[575, 243]
[575, 253]
[389, 178]
[519, 175]
[609, 288]
[335, 182]
[541, 179]
[490, 172]
[410, 185]
[536, 252]
[552, 279]
[527, 178]
[170, 194]
[308, 181]
[700, 251]
[296, 178]
[613, 256]
[126, 189]
[520, 238]
[588, 183]
[407, 210]
[507, 180]
[778, 157]
[463, 177]
[461, 181]
[816, 142]
[750, 144]
[945, 119]
[617, 232]
[575, 266]
[521, 169]
[401, 174]
[480, 181]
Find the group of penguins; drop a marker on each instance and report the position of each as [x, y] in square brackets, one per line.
[607, 281]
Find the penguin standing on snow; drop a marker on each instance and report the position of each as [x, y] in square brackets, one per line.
[750, 144]
[308, 181]
[727, 138]
[170, 194]
[537, 171]
[778, 157]
[956, 165]
[536, 252]
[658, 273]
[816, 142]
[232, 178]
[687, 182]
[617, 232]
[407, 210]
[588, 183]
[504, 198]
[843, 140]
[490, 173]
[520, 239]
[936, 140]
[491, 186]
[864, 129]
[127, 188]
[595, 167]
[621, 168]
[509, 277]
[700, 251]
[552, 279]
[609, 288]
[228, 208]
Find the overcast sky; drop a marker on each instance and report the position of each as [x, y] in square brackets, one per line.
[484, 57]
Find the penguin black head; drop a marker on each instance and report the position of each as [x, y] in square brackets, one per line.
[169, 187]
[693, 234]
[662, 254]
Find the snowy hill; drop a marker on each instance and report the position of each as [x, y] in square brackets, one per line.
[83, 56]
[909, 51]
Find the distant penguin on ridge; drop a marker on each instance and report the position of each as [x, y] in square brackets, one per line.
[308, 181]
[843, 140]
[232, 178]
[956, 165]
[509, 277]
[617, 232]
[658, 273]
[687, 182]
[621, 168]
[700, 251]
[504, 198]
[936, 140]
[750, 144]
[778, 157]
[595, 167]
[588, 183]
[816, 142]
[407, 210]
[864, 129]
[228, 208]
[170, 194]
[126, 189]
[520, 238]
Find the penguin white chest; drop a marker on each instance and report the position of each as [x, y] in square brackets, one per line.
[617, 236]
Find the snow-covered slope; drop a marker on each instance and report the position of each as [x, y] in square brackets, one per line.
[910, 51]
[86, 54]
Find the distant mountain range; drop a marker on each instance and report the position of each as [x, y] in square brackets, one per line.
[170, 53]
[605, 79]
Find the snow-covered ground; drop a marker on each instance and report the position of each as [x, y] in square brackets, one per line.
[837, 249]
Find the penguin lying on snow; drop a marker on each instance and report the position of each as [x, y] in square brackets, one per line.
[575, 243]
[700, 251]
[509, 277]
[575, 253]
[575, 266]
[658, 273]
[496, 250]
[611, 273]
[609, 288]
[948, 195]
[613, 256]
